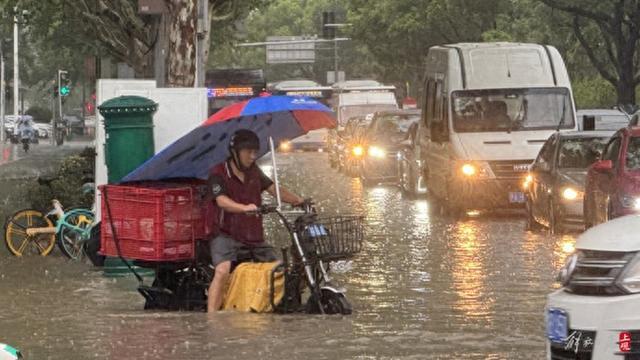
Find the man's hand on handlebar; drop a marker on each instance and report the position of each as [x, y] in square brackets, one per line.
[250, 208]
[306, 203]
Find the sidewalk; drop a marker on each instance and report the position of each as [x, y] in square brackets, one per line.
[41, 159]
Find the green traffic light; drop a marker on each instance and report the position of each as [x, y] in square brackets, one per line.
[65, 90]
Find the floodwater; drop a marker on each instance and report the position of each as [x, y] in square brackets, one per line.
[424, 287]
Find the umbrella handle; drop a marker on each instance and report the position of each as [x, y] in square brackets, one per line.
[275, 172]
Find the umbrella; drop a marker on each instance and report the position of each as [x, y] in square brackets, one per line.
[196, 153]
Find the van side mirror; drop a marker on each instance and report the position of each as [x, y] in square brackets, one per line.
[438, 132]
[603, 165]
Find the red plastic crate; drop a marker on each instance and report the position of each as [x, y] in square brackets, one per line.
[156, 222]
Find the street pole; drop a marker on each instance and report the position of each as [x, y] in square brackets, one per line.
[335, 60]
[54, 130]
[16, 74]
[2, 96]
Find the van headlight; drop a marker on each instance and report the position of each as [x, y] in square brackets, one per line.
[377, 152]
[570, 193]
[567, 270]
[629, 280]
[474, 169]
[357, 151]
[527, 181]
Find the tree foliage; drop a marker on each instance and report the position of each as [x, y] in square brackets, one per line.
[113, 27]
[608, 31]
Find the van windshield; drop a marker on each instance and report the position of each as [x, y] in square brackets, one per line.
[512, 109]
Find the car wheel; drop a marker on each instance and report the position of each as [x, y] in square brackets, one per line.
[555, 224]
[609, 213]
[587, 211]
[532, 224]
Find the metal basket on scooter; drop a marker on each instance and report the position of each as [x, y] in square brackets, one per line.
[335, 238]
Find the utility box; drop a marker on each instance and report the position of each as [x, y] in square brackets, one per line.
[128, 123]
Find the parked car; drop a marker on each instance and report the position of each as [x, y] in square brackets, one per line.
[43, 129]
[315, 140]
[411, 165]
[554, 186]
[382, 141]
[595, 313]
[613, 183]
[9, 127]
[351, 144]
[603, 119]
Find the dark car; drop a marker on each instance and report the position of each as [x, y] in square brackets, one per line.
[555, 185]
[411, 166]
[352, 144]
[613, 183]
[383, 141]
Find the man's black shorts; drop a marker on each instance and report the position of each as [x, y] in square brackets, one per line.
[223, 248]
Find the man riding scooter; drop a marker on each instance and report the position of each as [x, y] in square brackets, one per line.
[25, 131]
[237, 185]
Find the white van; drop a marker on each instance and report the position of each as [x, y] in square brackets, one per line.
[488, 108]
[595, 313]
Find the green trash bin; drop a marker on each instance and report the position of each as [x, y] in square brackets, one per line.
[128, 123]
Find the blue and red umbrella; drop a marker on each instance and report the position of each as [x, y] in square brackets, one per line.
[196, 153]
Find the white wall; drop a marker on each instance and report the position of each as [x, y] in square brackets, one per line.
[179, 111]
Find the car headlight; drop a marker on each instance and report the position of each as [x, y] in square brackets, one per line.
[631, 202]
[567, 270]
[629, 280]
[378, 152]
[357, 151]
[569, 193]
[285, 146]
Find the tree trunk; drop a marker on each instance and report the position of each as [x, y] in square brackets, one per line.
[626, 91]
[182, 21]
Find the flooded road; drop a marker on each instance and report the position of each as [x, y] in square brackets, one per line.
[424, 287]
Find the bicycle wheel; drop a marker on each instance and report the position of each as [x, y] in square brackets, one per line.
[74, 232]
[17, 240]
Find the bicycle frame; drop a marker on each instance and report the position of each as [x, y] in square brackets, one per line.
[310, 267]
[60, 214]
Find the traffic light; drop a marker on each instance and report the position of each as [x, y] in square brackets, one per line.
[65, 84]
[328, 32]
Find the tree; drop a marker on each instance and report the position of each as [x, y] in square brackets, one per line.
[114, 27]
[280, 18]
[40, 114]
[398, 33]
[608, 31]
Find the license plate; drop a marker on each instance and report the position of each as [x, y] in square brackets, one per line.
[557, 325]
[516, 197]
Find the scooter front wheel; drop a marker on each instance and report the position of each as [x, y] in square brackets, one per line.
[333, 302]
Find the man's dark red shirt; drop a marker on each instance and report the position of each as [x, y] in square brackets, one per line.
[244, 228]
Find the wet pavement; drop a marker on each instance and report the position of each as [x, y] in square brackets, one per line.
[424, 287]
